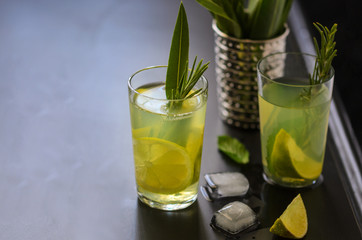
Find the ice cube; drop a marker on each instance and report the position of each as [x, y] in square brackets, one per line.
[227, 184]
[234, 218]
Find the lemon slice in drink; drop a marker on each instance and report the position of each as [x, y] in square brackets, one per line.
[289, 160]
[161, 166]
[293, 223]
[144, 132]
[194, 148]
[194, 142]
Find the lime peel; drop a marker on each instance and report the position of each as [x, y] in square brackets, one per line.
[289, 160]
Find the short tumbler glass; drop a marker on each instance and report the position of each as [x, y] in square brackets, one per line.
[293, 119]
[167, 139]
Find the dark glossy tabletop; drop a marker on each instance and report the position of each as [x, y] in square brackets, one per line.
[66, 165]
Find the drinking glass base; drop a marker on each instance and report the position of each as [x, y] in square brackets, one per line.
[312, 184]
[172, 206]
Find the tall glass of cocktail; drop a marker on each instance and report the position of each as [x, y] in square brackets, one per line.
[167, 139]
[293, 118]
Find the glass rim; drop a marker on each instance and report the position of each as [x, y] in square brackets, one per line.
[332, 72]
[203, 78]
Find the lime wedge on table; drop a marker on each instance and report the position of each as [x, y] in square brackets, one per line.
[161, 166]
[289, 160]
[293, 223]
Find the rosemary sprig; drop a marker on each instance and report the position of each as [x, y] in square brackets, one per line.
[179, 81]
[325, 53]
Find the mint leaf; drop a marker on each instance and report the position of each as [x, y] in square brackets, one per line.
[233, 148]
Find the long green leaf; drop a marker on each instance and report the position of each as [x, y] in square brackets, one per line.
[230, 8]
[214, 8]
[252, 5]
[254, 19]
[179, 54]
[224, 12]
[267, 20]
[283, 19]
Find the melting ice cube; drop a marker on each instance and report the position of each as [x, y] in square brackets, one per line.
[234, 218]
[227, 184]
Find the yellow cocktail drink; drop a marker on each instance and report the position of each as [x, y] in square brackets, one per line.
[293, 112]
[167, 145]
[293, 133]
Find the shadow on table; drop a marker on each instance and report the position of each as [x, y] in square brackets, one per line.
[158, 224]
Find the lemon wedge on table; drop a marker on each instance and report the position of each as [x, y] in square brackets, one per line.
[161, 166]
[293, 223]
[288, 159]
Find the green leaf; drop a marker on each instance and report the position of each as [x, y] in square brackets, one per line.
[253, 19]
[268, 17]
[225, 15]
[179, 54]
[178, 81]
[233, 148]
[231, 28]
[214, 8]
[231, 8]
[252, 5]
[284, 17]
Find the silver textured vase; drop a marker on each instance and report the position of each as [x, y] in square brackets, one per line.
[237, 88]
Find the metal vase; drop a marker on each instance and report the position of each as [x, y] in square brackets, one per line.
[237, 88]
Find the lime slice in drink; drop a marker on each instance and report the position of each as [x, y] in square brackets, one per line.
[293, 223]
[288, 160]
[161, 166]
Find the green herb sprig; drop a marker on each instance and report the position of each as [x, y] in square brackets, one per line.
[179, 80]
[323, 64]
[325, 53]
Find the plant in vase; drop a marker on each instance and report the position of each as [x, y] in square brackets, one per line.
[245, 31]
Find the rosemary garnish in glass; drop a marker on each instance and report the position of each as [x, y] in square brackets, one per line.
[323, 64]
[325, 53]
[179, 80]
